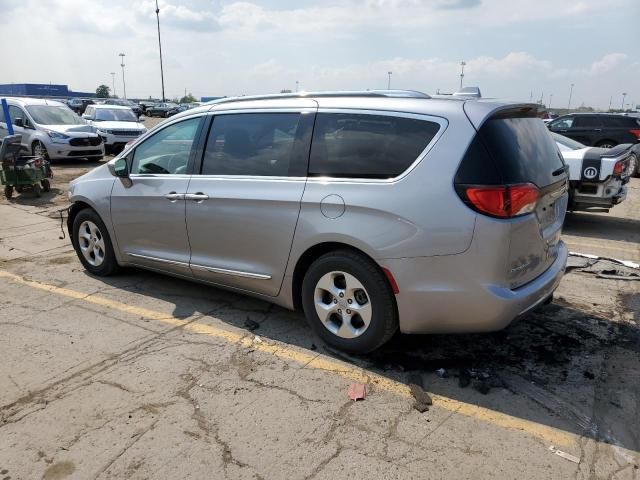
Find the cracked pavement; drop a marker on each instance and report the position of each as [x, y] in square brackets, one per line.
[145, 376]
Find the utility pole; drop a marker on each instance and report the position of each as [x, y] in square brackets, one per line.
[531, 96]
[124, 86]
[297, 85]
[113, 82]
[462, 65]
[160, 49]
[624, 95]
[542, 97]
[570, 95]
[610, 100]
[389, 81]
[550, 98]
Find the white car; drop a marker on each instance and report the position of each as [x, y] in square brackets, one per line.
[597, 176]
[116, 124]
[51, 130]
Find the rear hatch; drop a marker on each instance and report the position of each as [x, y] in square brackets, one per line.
[514, 172]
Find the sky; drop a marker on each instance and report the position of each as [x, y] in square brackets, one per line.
[516, 49]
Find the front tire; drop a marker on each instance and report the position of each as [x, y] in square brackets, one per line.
[93, 245]
[39, 150]
[348, 302]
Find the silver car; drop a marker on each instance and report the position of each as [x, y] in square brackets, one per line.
[51, 130]
[370, 211]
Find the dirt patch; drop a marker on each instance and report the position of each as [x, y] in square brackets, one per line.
[59, 470]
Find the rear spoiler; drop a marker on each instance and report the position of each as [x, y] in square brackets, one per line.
[480, 111]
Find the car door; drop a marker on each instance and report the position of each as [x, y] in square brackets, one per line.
[148, 208]
[17, 112]
[243, 205]
[586, 129]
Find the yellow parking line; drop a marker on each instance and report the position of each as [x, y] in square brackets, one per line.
[311, 360]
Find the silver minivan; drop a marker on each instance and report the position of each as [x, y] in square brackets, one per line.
[370, 211]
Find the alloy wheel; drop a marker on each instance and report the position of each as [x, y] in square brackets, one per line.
[342, 304]
[91, 242]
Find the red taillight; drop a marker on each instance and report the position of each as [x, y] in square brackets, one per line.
[503, 201]
[620, 167]
[635, 132]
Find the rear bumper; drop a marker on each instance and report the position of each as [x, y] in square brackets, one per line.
[447, 295]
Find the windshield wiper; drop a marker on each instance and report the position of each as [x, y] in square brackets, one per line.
[560, 170]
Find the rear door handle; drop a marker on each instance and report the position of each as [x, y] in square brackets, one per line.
[173, 196]
[196, 197]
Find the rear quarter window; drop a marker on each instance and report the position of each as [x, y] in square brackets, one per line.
[367, 145]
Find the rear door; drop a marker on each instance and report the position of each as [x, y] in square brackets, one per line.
[243, 206]
[586, 129]
[518, 150]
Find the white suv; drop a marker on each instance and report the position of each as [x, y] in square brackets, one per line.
[116, 124]
[51, 129]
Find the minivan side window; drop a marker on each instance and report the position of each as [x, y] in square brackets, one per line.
[16, 112]
[367, 145]
[166, 152]
[253, 144]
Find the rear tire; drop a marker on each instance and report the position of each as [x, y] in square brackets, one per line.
[8, 192]
[37, 190]
[354, 299]
[46, 185]
[606, 144]
[93, 245]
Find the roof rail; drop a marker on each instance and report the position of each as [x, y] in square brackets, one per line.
[346, 93]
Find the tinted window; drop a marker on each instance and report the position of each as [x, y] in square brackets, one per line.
[619, 122]
[367, 146]
[259, 144]
[587, 122]
[166, 152]
[511, 151]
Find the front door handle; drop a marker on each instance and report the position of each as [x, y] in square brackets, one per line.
[174, 196]
[196, 197]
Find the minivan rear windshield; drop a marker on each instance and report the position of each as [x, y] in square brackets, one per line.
[522, 149]
[53, 115]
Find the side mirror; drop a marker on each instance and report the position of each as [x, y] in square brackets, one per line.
[119, 168]
[18, 122]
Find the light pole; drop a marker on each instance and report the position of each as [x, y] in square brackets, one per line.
[160, 48]
[113, 82]
[389, 81]
[610, 100]
[124, 86]
[297, 85]
[623, 97]
[570, 94]
[550, 98]
[462, 65]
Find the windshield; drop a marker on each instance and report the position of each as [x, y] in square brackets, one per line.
[53, 115]
[566, 142]
[115, 114]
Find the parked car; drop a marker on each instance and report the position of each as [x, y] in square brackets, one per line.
[125, 103]
[79, 105]
[117, 125]
[161, 109]
[320, 202]
[51, 130]
[144, 104]
[597, 176]
[183, 107]
[598, 129]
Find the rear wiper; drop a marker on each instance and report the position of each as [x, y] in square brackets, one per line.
[560, 170]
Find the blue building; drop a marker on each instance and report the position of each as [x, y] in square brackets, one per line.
[40, 90]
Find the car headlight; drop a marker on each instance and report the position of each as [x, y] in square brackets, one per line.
[57, 137]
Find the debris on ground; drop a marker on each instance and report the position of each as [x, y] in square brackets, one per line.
[565, 455]
[603, 267]
[313, 346]
[442, 373]
[422, 399]
[588, 374]
[251, 325]
[357, 391]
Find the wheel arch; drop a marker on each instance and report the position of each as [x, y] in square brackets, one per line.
[605, 141]
[314, 252]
